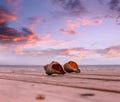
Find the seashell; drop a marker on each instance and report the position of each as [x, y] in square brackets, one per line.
[53, 68]
[71, 66]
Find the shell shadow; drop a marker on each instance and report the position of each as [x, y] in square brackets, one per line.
[87, 94]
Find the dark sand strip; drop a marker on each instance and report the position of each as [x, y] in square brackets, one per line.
[64, 81]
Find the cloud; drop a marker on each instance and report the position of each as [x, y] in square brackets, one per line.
[82, 8]
[77, 52]
[114, 5]
[35, 47]
[85, 21]
[14, 40]
[17, 41]
[66, 52]
[112, 9]
[67, 31]
[34, 21]
[11, 35]
[71, 7]
[2, 47]
[70, 25]
[80, 52]
[109, 52]
[6, 15]
[13, 2]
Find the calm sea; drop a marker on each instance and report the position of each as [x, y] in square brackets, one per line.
[39, 68]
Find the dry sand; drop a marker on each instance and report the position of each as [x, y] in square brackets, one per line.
[82, 87]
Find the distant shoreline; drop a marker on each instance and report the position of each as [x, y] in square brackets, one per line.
[79, 65]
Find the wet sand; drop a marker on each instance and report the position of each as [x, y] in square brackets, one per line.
[80, 87]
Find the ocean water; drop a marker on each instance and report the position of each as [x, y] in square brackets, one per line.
[100, 68]
[39, 68]
[21, 68]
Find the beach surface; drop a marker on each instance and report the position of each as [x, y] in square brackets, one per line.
[73, 87]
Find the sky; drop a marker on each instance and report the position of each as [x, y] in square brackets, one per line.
[36, 32]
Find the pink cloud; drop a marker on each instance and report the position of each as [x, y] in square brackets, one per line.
[10, 35]
[110, 52]
[85, 21]
[6, 16]
[41, 41]
[77, 53]
[70, 26]
[113, 51]
[74, 53]
[84, 53]
[34, 21]
[67, 31]
[3, 47]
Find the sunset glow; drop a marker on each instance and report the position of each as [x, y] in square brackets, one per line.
[36, 32]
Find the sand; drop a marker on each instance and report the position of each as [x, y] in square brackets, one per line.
[80, 87]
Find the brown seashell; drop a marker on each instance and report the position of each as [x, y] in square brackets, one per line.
[71, 66]
[53, 68]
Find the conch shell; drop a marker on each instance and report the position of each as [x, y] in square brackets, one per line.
[53, 68]
[71, 66]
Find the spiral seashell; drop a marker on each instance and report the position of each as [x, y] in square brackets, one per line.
[71, 66]
[53, 68]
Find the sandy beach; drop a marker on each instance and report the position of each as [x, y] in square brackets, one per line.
[35, 87]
